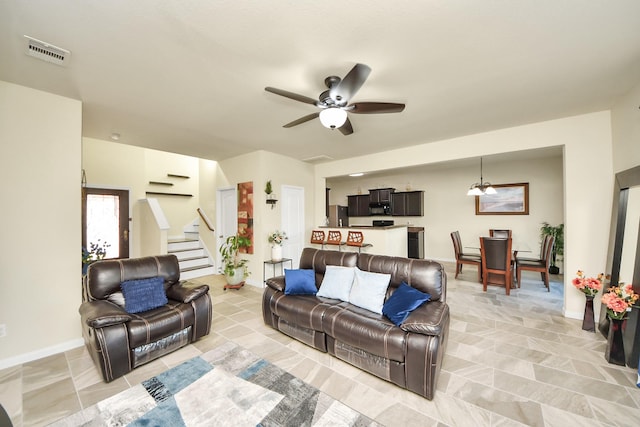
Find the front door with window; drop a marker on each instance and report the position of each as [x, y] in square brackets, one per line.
[105, 220]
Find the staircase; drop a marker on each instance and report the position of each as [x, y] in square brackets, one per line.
[193, 258]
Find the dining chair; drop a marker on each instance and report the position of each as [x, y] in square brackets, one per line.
[502, 234]
[462, 258]
[540, 265]
[317, 237]
[496, 262]
[356, 239]
[334, 238]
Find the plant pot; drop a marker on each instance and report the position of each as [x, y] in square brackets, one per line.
[615, 344]
[236, 278]
[276, 253]
[588, 323]
[554, 270]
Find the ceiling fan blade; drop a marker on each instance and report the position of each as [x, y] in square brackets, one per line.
[302, 120]
[291, 95]
[375, 107]
[346, 128]
[348, 86]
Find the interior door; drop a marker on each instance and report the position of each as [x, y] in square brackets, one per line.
[293, 222]
[105, 220]
[227, 216]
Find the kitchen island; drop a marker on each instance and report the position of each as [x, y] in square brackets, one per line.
[389, 240]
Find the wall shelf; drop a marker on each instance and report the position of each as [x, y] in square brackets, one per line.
[173, 175]
[160, 193]
[160, 183]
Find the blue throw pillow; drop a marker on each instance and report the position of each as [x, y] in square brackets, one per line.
[143, 294]
[402, 302]
[299, 282]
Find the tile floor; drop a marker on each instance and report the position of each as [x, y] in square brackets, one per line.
[510, 361]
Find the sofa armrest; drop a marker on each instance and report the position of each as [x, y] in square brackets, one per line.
[428, 319]
[276, 283]
[101, 313]
[186, 291]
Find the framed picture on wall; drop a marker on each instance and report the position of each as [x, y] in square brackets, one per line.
[510, 199]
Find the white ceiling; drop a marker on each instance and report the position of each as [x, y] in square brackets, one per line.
[189, 76]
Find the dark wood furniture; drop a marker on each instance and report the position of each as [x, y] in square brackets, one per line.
[381, 195]
[540, 265]
[358, 205]
[496, 262]
[462, 258]
[408, 203]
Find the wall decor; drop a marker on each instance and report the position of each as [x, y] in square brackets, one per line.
[510, 199]
[245, 214]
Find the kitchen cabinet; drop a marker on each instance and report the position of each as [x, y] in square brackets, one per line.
[381, 195]
[409, 203]
[358, 205]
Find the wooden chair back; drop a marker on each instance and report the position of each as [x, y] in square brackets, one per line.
[496, 262]
[500, 234]
[334, 238]
[317, 237]
[355, 238]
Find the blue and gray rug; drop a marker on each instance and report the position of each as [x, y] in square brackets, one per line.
[228, 386]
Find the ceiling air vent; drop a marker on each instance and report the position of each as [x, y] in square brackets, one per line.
[47, 52]
[318, 159]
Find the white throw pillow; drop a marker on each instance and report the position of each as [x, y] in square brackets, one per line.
[369, 289]
[337, 282]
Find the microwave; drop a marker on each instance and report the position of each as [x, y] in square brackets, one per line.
[379, 208]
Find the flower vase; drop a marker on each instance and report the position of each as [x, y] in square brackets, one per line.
[615, 345]
[588, 323]
[276, 253]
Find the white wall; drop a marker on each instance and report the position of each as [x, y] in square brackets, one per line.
[40, 248]
[625, 123]
[587, 158]
[259, 167]
[447, 207]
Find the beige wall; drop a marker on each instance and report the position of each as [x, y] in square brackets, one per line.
[625, 123]
[587, 158]
[40, 249]
[135, 168]
[448, 208]
[259, 167]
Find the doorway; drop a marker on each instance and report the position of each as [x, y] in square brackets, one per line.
[292, 222]
[105, 221]
[227, 216]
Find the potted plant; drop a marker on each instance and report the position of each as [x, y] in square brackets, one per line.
[235, 270]
[97, 251]
[268, 189]
[557, 232]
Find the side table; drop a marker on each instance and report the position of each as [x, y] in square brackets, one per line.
[273, 265]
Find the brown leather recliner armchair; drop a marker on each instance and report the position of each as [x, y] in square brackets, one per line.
[119, 341]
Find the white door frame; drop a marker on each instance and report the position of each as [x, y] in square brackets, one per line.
[292, 221]
[224, 211]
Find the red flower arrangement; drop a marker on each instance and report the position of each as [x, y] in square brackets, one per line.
[588, 285]
[619, 300]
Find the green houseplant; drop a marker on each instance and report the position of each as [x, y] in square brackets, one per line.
[557, 232]
[235, 270]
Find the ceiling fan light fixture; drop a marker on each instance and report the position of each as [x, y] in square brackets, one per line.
[333, 117]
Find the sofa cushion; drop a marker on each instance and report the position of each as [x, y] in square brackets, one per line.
[369, 289]
[300, 282]
[363, 329]
[337, 282]
[143, 294]
[302, 310]
[152, 325]
[402, 302]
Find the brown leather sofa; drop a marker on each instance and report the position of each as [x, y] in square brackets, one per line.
[119, 341]
[409, 356]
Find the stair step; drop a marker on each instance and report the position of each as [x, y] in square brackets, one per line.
[192, 273]
[201, 261]
[188, 253]
[182, 244]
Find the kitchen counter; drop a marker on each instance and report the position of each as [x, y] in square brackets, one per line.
[390, 240]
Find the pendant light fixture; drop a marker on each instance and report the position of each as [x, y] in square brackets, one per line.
[482, 187]
[333, 117]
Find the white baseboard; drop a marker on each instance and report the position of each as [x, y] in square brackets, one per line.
[39, 354]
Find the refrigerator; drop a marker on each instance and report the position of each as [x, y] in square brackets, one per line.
[338, 216]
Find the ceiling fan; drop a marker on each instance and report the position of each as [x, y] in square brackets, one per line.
[334, 102]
